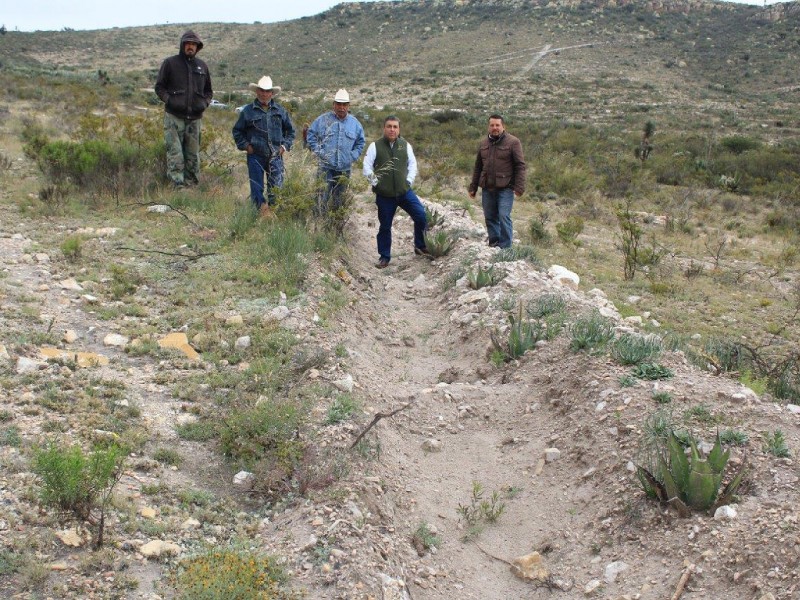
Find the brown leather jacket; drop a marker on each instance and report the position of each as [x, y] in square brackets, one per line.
[499, 165]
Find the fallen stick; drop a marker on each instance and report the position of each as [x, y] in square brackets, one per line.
[682, 582]
[377, 418]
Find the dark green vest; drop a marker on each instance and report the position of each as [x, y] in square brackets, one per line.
[391, 168]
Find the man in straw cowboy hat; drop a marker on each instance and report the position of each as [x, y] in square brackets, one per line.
[337, 138]
[265, 131]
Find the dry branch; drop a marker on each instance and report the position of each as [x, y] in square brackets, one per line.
[377, 418]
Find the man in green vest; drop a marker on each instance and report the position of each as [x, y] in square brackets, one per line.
[391, 167]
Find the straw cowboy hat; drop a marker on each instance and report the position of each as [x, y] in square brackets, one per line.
[342, 96]
[265, 83]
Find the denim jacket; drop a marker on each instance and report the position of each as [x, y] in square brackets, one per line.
[265, 128]
[337, 144]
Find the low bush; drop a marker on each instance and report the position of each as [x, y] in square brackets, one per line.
[591, 333]
[229, 574]
[78, 483]
[481, 277]
[634, 349]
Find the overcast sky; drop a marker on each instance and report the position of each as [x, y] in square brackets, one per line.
[50, 15]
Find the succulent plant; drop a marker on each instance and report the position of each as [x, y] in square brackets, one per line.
[690, 482]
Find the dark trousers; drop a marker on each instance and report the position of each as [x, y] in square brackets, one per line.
[387, 207]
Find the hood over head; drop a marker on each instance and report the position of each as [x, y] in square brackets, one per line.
[191, 36]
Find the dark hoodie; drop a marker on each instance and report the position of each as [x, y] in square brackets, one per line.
[183, 83]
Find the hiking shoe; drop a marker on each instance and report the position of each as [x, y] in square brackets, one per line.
[382, 263]
[422, 252]
[265, 212]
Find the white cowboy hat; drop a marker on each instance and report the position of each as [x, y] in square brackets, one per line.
[342, 96]
[265, 83]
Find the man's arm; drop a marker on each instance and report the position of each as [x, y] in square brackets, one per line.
[288, 131]
[520, 168]
[238, 131]
[162, 82]
[208, 92]
[412, 165]
[314, 137]
[369, 165]
[358, 146]
[476, 175]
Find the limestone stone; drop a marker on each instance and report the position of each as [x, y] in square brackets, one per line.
[530, 567]
[179, 341]
[115, 339]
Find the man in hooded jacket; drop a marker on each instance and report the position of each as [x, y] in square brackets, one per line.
[184, 86]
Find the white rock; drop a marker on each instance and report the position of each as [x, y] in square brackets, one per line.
[634, 320]
[592, 587]
[115, 339]
[106, 231]
[279, 313]
[242, 342]
[552, 454]
[613, 570]
[600, 406]
[70, 284]
[564, 276]
[345, 384]
[190, 523]
[27, 365]
[244, 480]
[633, 299]
[431, 445]
[70, 335]
[158, 208]
[725, 512]
[793, 408]
[41, 257]
[156, 548]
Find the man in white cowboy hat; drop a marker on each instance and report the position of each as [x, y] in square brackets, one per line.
[265, 131]
[337, 138]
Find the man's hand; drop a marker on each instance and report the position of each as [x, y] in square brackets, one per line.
[249, 149]
[471, 194]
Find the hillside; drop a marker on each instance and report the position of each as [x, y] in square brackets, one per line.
[602, 60]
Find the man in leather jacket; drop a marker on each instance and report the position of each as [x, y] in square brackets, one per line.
[500, 172]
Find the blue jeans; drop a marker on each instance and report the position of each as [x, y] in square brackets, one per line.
[387, 207]
[497, 206]
[257, 166]
[332, 197]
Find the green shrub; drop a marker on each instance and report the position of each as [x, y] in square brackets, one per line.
[230, 574]
[518, 252]
[591, 333]
[268, 430]
[9, 436]
[733, 437]
[662, 397]
[634, 349]
[545, 305]
[341, 409]
[78, 483]
[651, 371]
[481, 277]
[71, 247]
[775, 444]
[739, 143]
[433, 218]
[423, 539]
[569, 230]
[196, 431]
[522, 336]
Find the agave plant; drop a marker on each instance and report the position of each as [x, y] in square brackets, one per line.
[439, 243]
[690, 482]
[482, 277]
